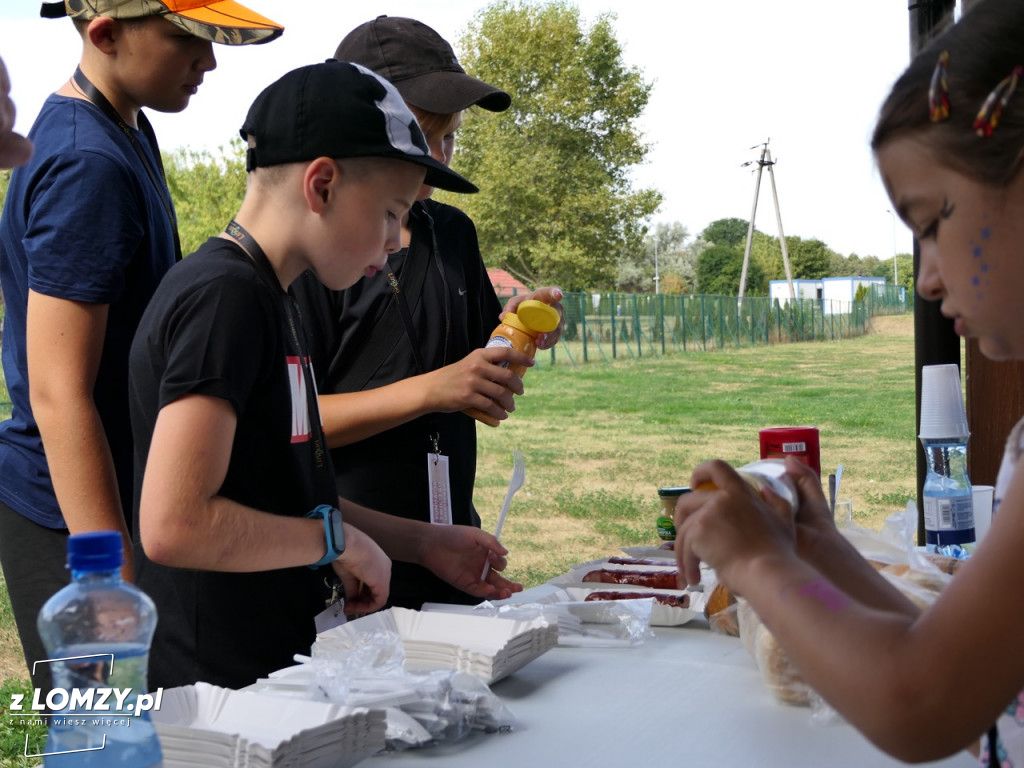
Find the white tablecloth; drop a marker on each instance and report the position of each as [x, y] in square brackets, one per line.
[689, 697]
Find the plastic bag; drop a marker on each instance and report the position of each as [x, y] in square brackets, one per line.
[777, 671]
[366, 670]
[893, 552]
[603, 623]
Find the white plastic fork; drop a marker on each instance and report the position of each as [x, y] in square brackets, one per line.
[514, 484]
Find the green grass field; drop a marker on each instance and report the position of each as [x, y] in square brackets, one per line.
[601, 439]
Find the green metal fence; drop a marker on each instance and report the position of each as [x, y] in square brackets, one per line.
[605, 327]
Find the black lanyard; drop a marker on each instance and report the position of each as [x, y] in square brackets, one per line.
[93, 94]
[403, 305]
[248, 243]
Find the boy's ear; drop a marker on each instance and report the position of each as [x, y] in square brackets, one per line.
[320, 182]
[102, 32]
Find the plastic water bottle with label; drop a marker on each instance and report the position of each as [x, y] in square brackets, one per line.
[97, 632]
[947, 498]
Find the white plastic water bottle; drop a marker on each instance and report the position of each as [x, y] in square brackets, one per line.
[97, 632]
[946, 494]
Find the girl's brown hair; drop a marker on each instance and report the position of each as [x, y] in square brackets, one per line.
[984, 47]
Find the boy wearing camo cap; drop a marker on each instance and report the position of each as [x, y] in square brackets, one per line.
[87, 232]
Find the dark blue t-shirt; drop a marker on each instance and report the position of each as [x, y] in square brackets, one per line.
[83, 222]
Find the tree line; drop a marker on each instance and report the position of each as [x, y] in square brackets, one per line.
[712, 262]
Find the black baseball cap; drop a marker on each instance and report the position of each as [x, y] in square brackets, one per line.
[420, 64]
[338, 109]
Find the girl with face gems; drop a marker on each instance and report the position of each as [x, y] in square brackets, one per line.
[920, 684]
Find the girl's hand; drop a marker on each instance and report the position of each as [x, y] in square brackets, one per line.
[814, 519]
[725, 523]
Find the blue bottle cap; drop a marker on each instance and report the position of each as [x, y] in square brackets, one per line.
[95, 551]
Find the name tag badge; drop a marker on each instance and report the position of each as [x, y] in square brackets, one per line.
[440, 489]
[333, 616]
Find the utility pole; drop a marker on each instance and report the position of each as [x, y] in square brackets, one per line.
[765, 162]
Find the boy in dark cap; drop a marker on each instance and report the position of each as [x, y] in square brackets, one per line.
[241, 528]
[402, 357]
[87, 232]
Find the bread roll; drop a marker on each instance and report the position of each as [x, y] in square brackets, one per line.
[917, 585]
[945, 564]
[720, 611]
[777, 671]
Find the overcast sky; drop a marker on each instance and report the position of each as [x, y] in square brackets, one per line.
[806, 74]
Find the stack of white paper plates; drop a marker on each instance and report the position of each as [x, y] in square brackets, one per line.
[204, 725]
[489, 647]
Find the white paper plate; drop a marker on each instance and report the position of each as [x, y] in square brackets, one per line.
[661, 615]
[652, 552]
[487, 646]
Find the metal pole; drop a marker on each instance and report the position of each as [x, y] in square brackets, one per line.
[778, 222]
[935, 341]
[750, 228]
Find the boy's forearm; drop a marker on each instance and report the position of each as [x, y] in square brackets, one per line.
[353, 416]
[400, 538]
[183, 519]
[223, 535]
[64, 343]
[81, 467]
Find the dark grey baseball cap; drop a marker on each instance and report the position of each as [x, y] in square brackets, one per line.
[420, 64]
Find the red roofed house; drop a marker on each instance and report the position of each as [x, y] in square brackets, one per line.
[505, 285]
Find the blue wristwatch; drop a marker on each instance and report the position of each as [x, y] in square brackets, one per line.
[334, 533]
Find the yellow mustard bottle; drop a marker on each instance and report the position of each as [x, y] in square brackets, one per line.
[519, 330]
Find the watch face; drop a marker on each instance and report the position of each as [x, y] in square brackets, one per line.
[337, 530]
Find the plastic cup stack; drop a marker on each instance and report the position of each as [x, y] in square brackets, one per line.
[943, 414]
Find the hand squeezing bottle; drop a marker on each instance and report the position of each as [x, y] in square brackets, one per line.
[519, 330]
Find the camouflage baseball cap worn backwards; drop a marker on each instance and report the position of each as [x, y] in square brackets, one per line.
[219, 21]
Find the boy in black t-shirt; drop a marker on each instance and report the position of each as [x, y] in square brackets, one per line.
[238, 522]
